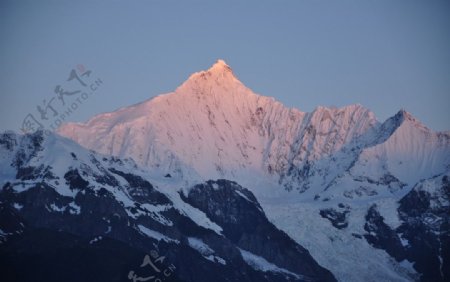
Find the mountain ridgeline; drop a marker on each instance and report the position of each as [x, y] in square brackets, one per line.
[215, 127]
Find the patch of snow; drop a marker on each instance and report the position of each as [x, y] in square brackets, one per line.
[205, 250]
[388, 210]
[404, 241]
[74, 208]
[64, 190]
[23, 186]
[196, 215]
[242, 195]
[154, 211]
[261, 264]
[200, 246]
[54, 207]
[96, 239]
[156, 235]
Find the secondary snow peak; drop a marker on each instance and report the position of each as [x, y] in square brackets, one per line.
[403, 117]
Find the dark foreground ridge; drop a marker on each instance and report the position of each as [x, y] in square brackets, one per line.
[110, 224]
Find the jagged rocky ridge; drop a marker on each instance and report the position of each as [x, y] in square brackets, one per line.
[70, 214]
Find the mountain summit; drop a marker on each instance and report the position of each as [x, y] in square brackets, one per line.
[220, 65]
[218, 76]
[219, 69]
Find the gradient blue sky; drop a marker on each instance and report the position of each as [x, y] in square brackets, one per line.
[384, 54]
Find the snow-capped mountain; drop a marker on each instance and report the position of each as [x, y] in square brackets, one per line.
[335, 180]
[227, 126]
[214, 126]
[70, 214]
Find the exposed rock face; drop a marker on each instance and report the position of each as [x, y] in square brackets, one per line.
[337, 218]
[423, 237]
[380, 235]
